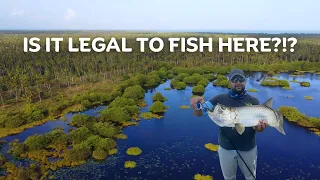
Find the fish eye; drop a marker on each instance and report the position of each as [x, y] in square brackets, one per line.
[223, 107]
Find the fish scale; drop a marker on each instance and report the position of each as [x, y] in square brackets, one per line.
[247, 116]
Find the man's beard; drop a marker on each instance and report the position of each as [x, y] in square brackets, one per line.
[235, 90]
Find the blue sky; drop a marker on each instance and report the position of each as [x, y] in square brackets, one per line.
[175, 15]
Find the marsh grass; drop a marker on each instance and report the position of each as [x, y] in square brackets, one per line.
[212, 147]
[134, 151]
[184, 107]
[202, 177]
[308, 97]
[130, 164]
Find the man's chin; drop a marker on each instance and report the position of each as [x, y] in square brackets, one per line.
[239, 89]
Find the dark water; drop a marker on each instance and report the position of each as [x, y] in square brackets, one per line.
[173, 147]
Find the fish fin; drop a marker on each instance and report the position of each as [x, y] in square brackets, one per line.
[268, 103]
[279, 127]
[240, 128]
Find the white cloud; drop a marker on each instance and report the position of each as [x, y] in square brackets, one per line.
[70, 14]
[15, 12]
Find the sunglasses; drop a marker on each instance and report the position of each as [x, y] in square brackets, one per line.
[238, 78]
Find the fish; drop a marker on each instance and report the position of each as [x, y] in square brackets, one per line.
[247, 116]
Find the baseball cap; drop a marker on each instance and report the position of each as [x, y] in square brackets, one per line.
[236, 73]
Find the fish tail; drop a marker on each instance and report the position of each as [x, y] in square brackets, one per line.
[279, 127]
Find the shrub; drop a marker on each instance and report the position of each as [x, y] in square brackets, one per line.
[112, 151]
[159, 97]
[116, 114]
[78, 154]
[130, 164]
[202, 83]
[36, 142]
[308, 97]
[80, 134]
[3, 160]
[80, 120]
[99, 154]
[198, 89]
[181, 76]
[252, 90]
[19, 149]
[314, 121]
[157, 107]
[292, 114]
[105, 130]
[134, 151]
[135, 92]
[304, 84]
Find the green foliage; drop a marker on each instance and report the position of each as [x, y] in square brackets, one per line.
[308, 97]
[181, 76]
[210, 77]
[221, 81]
[272, 73]
[149, 115]
[167, 89]
[80, 120]
[78, 154]
[221, 77]
[159, 97]
[202, 83]
[79, 134]
[116, 114]
[198, 89]
[194, 79]
[130, 105]
[34, 114]
[14, 121]
[292, 114]
[178, 84]
[202, 177]
[36, 142]
[274, 83]
[135, 92]
[152, 80]
[130, 164]
[314, 121]
[157, 107]
[304, 84]
[112, 151]
[184, 107]
[105, 129]
[19, 149]
[3, 160]
[287, 88]
[252, 90]
[121, 136]
[99, 154]
[134, 151]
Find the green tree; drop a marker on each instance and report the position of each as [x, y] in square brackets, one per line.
[157, 107]
[135, 92]
[159, 97]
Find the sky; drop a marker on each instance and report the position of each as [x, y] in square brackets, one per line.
[168, 15]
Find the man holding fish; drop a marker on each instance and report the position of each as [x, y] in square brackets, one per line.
[239, 116]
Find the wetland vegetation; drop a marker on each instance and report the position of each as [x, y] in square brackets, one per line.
[35, 89]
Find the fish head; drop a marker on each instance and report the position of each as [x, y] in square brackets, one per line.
[221, 115]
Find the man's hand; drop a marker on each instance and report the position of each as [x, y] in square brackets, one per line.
[195, 100]
[261, 126]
